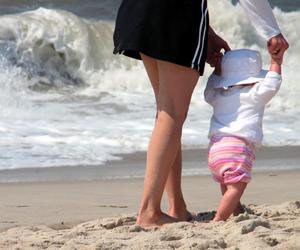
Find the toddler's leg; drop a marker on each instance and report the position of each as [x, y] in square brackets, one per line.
[230, 200]
[239, 208]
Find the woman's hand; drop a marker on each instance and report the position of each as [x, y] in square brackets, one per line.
[277, 45]
[214, 47]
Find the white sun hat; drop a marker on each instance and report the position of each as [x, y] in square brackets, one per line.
[238, 67]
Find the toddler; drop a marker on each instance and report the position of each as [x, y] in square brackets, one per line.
[238, 91]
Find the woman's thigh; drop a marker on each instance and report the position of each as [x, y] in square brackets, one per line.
[152, 71]
[173, 85]
[176, 85]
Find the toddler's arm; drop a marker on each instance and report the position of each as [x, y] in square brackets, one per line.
[209, 92]
[266, 90]
[276, 60]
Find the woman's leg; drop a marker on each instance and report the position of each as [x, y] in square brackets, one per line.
[177, 206]
[176, 85]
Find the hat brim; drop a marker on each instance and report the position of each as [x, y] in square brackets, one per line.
[224, 82]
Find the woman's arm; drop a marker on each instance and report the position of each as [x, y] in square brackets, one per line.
[214, 47]
[261, 16]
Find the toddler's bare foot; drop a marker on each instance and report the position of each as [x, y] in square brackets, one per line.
[148, 220]
[239, 210]
[218, 217]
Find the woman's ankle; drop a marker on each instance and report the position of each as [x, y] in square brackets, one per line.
[154, 218]
[179, 212]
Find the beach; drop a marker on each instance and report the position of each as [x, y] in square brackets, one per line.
[75, 122]
[100, 214]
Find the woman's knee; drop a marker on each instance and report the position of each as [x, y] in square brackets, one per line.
[179, 117]
[176, 118]
[176, 85]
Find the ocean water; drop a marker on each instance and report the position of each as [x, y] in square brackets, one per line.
[66, 100]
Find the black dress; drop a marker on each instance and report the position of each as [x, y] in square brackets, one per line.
[169, 30]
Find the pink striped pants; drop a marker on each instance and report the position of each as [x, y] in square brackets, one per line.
[230, 159]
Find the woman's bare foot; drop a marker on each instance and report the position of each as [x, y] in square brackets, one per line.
[183, 215]
[159, 219]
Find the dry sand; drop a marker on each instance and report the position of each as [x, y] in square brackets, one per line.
[262, 227]
[44, 216]
[100, 214]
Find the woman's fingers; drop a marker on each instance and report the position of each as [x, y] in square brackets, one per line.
[226, 46]
[277, 44]
[214, 59]
[215, 45]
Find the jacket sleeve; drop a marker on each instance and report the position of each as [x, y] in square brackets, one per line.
[264, 91]
[261, 16]
[209, 92]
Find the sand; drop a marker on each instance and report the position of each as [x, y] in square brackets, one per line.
[100, 214]
[262, 227]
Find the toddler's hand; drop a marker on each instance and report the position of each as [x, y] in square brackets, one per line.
[277, 44]
[276, 54]
[276, 60]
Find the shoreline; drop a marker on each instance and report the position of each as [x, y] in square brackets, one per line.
[131, 166]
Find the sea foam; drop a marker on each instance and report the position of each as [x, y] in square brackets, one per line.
[66, 100]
